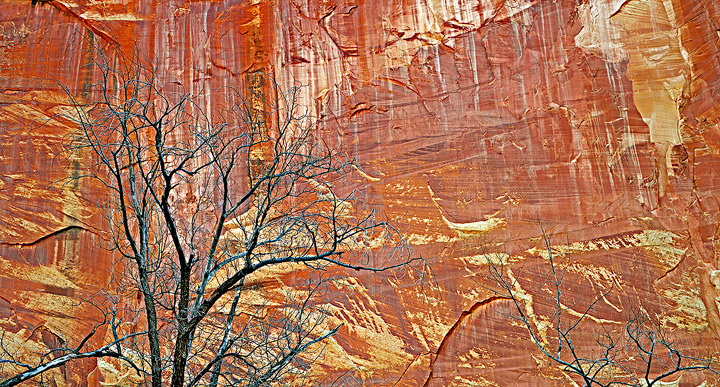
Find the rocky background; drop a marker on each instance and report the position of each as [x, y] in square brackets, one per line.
[475, 124]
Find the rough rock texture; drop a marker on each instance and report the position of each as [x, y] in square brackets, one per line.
[473, 122]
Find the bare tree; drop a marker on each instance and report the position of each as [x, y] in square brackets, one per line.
[640, 354]
[204, 204]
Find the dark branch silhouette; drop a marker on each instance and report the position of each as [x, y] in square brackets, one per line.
[203, 204]
[639, 355]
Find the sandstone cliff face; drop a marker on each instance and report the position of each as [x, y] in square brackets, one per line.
[472, 121]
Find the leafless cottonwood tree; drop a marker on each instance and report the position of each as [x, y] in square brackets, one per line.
[204, 204]
[638, 355]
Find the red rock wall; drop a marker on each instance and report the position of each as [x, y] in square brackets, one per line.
[472, 122]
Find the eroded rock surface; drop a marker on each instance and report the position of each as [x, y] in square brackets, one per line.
[472, 122]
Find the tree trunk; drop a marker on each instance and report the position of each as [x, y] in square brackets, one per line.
[155, 364]
[180, 356]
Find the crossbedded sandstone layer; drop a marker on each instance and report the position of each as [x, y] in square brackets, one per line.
[473, 122]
